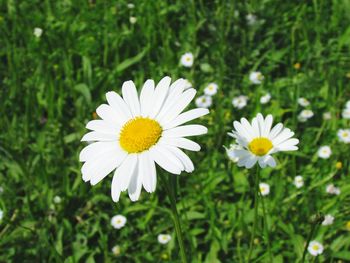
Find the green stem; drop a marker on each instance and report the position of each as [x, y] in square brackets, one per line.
[256, 204]
[266, 228]
[312, 231]
[171, 188]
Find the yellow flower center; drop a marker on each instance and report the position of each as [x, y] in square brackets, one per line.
[315, 247]
[345, 134]
[139, 134]
[260, 146]
[188, 59]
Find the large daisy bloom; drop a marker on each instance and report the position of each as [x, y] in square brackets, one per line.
[259, 141]
[138, 131]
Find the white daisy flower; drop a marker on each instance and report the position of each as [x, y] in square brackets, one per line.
[164, 238]
[187, 59]
[331, 189]
[130, 5]
[264, 189]
[211, 89]
[136, 132]
[204, 101]
[303, 102]
[298, 181]
[265, 99]
[188, 84]
[57, 199]
[346, 113]
[38, 32]
[251, 19]
[240, 102]
[304, 115]
[1, 214]
[132, 20]
[260, 141]
[256, 77]
[315, 248]
[324, 152]
[116, 250]
[231, 152]
[328, 220]
[344, 135]
[327, 116]
[118, 221]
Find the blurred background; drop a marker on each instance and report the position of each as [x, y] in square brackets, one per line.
[59, 58]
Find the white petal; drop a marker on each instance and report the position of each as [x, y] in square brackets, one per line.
[270, 161]
[255, 127]
[283, 136]
[164, 160]
[288, 145]
[159, 96]
[102, 127]
[175, 91]
[261, 124]
[275, 131]
[108, 114]
[98, 136]
[248, 127]
[169, 115]
[186, 130]
[243, 131]
[125, 171]
[186, 117]
[119, 105]
[181, 143]
[186, 161]
[146, 97]
[268, 125]
[131, 98]
[93, 150]
[251, 161]
[149, 174]
[115, 190]
[135, 185]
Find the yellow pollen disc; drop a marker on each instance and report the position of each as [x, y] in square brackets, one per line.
[315, 247]
[260, 146]
[139, 134]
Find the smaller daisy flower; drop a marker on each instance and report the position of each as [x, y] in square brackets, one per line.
[344, 135]
[324, 152]
[231, 152]
[303, 102]
[315, 248]
[256, 77]
[264, 189]
[328, 220]
[251, 19]
[132, 20]
[187, 60]
[118, 221]
[265, 99]
[327, 116]
[187, 84]
[130, 6]
[38, 32]
[259, 141]
[331, 189]
[1, 214]
[116, 250]
[164, 238]
[346, 113]
[203, 101]
[211, 89]
[298, 181]
[240, 102]
[57, 199]
[304, 115]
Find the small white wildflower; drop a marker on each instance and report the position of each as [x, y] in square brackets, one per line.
[116, 250]
[187, 59]
[327, 116]
[57, 199]
[38, 32]
[132, 19]
[315, 248]
[211, 89]
[264, 189]
[331, 189]
[298, 181]
[303, 102]
[118, 221]
[346, 113]
[1, 214]
[203, 101]
[328, 220]
[164, 238]
[347, 104]
[240, 102]
[344, 135]
[130, 6]
[265, 99]
[251, 19]
[304, 115]
[324, 152]
[256, 77]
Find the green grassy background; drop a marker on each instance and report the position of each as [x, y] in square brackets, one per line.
[50, 87]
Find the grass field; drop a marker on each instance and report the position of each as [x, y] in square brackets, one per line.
[52, 81]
